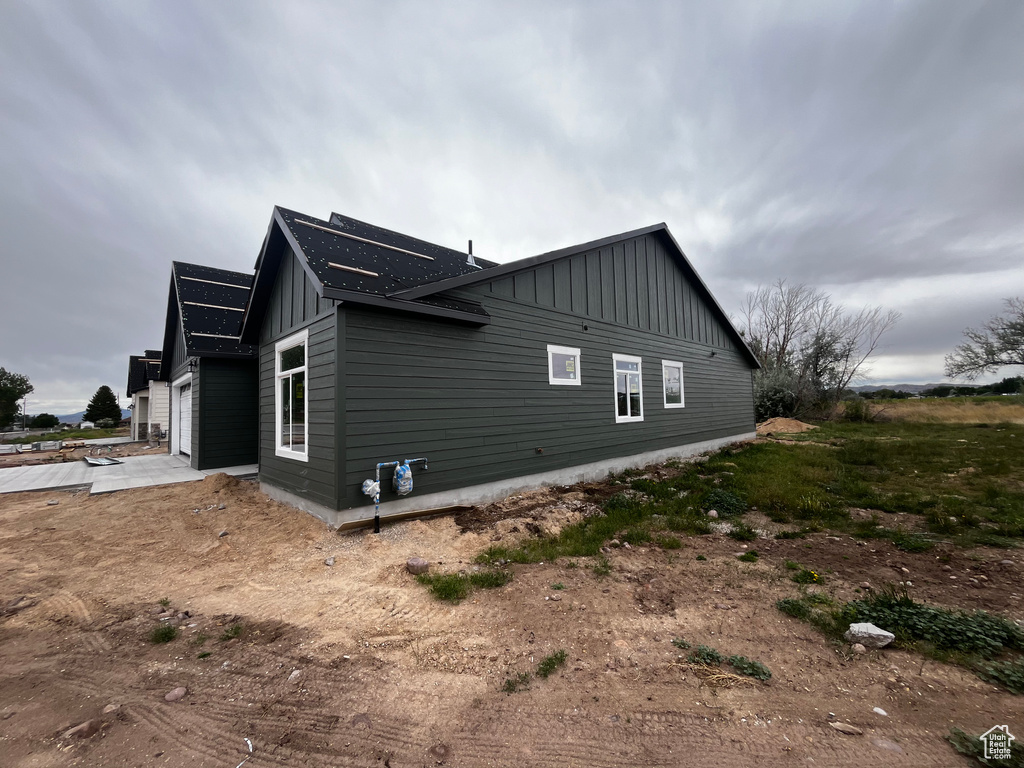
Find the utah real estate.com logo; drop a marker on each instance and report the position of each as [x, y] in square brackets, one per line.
[997, 742]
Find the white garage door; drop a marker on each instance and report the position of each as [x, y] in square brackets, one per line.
[185, 420]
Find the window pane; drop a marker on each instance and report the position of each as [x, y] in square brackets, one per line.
[286, 420]
[299, 411]
[563, 366]
[673, 385]
[620, 395]
[294, 357]
[625, 365]
[634, 394]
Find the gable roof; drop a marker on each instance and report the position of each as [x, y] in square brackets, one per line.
[431, 290]
[350, 260]
[207, 304]
[143, 369]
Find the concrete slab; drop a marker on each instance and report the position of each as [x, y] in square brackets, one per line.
[133, 472]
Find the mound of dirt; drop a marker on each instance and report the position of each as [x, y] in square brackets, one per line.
[220, 482]
[780, 426]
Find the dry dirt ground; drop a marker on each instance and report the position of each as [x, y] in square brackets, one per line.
[356, 664]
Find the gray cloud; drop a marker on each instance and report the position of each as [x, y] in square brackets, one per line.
[833, 145]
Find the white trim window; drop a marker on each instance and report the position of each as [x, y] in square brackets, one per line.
[629, 398]
[563, 365]
[291, 405]
[672, 383]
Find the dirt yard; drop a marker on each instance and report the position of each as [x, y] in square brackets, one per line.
[356, 664]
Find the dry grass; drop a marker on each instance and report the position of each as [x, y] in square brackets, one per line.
[952, 410]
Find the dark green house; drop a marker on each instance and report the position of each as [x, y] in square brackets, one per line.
[377, 347]
[214, 405]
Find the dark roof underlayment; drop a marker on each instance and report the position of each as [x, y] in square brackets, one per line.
[427, 291]
[143, 369]
[211, 304]
[350, 260]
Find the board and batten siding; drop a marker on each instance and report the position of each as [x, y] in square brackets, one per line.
[227, 400]
[477, 403]
[294, 305]
[634, 283]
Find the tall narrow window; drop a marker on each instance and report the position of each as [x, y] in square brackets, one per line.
[291, 404]
[672, 383]
[563, 365]
[629, 401]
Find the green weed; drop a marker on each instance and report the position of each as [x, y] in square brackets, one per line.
[750, 668]
[518, 683]
[972, 746]
[742, 532]
[807, 576]
[550, 663]
[163, 633]
[455, 587]
[235, 630]
[706, 655]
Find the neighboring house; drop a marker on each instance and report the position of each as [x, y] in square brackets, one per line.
[150, 396]
[375, 347]
[212, 377]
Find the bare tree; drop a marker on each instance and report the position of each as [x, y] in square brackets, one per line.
[998, 343]
[810, 347]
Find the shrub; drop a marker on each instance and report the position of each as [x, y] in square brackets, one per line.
[235, 630]
[681, 644]
[749, 557]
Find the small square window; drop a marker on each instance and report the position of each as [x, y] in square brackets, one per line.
[672, 383]
[629, 398]
[563, 365]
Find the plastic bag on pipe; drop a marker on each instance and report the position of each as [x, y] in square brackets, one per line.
[371, 487]
[402, 481]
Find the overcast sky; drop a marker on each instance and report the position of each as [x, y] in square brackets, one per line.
[875, 150]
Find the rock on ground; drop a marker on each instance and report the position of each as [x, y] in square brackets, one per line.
[869, 635]
[176, 694]
[83, 730]
[417, 565]
[849, 730]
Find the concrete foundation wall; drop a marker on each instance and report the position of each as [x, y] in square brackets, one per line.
[495, 491]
